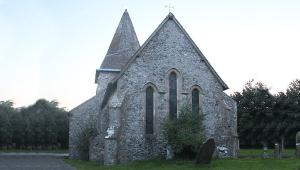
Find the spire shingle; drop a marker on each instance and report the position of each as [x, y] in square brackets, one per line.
[123, 45]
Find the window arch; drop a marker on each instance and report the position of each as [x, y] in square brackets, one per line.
[195, 100]
[173, 95]
[149, 109]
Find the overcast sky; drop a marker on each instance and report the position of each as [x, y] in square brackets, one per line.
[51, 48]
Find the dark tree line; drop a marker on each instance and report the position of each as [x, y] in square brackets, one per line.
[265, 119]
[42, 125]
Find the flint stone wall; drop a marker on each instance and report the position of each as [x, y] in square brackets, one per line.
[169, 49]
[88, 115]
[81, 117]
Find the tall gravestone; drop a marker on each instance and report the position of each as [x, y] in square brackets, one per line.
[298, 145]
[277, 151]
[205, 152]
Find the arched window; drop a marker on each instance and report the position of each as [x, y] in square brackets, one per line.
[149, 110]
[195, 101]
[173, 95]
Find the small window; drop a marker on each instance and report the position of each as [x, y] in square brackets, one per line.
[173, 95]
[195, 101]
[149, 110]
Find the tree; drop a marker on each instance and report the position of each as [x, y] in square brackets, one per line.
[51, 123]
[41, 125]
[292, 105]
[18, 133]
[264, 118]
[6, 109]
[254, 114]
[28, 129]
[185, 134]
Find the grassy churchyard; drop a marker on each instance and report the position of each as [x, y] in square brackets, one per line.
[256, 153]
[251, 160]
[224, 164]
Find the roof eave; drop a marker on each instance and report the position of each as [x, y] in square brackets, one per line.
[141, 48]
[172, 17]
[224, 85]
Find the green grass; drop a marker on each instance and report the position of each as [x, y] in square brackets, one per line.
[259, 152]
[224, 164]
[33, 150]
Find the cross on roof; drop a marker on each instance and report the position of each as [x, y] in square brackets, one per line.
[169, 6]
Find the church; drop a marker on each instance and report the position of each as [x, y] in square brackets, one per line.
[141, 86]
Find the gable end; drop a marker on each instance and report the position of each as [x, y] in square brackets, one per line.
[131, 60]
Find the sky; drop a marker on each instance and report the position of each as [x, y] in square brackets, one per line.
[51, 48]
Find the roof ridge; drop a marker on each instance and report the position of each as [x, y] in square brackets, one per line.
[170, 16]
[124, 39]
[142, 47]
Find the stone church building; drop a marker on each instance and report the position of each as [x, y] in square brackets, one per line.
[140, 86]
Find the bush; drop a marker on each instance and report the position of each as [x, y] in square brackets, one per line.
[84, 142]
[185, 134]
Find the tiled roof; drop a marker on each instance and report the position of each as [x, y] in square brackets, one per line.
[123, 45]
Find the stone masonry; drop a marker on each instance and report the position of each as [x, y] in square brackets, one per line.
[118, 109]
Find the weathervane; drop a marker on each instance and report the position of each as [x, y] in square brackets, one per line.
[125, 7]
[169, 6]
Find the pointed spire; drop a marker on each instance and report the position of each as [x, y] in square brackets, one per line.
[123, 45]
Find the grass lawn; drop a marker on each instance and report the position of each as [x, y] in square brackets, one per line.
[224, 164]
[259, 152]
[34, 151]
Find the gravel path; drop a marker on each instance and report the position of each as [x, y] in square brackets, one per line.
[33, 162]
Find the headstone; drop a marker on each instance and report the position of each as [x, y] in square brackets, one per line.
[265, 154]
[298, 145]
[277, 151]
[298, 150]
[205, 152]
[282, 145]
[170, 153]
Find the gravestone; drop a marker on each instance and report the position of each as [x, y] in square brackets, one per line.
[205, 152]
[265, 153]
[170, 153]
[298, 145]
[277, 151]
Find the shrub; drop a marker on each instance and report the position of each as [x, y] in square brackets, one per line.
[185, 134]
[84, 142]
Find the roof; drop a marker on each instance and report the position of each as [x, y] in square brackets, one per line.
[123, 45]
[84, 103]
[170, 16]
